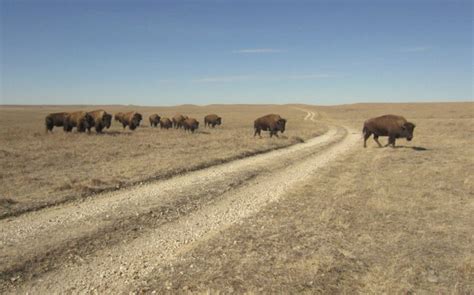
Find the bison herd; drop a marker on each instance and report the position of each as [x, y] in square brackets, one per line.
[392, 126]
[100, 119]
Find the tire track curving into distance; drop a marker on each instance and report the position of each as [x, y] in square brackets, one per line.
[67, 248]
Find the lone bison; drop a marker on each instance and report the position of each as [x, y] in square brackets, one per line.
[154, 120]
[130, 119]
[178, 120]
[271, 122]
[388, 125]
[165, 123]
[54, 119]
[212, 120]
[80, 120]
[190, 124]
[101, 119]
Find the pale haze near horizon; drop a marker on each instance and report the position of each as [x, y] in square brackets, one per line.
[218, 52]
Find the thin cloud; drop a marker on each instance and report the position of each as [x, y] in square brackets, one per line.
[261, 78]
[259, 50]
[416, 49]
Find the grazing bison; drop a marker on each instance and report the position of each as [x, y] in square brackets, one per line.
[388, 125]
[154, 120]
[212, 120]
[119, 117]
[272, 123]
[165, 123]
[130, 119]
[54, 119]
[81, 120]
[178, 120]
[190, 124]
[101, 119]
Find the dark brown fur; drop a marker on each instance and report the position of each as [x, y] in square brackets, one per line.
[392, 126]
[190, 124]
[55, 119]
[212, 120]
[130, 119]
[154, 120]
[178, 120]
[101, 120]
[272, 123]
[166, 123]
[79, 120]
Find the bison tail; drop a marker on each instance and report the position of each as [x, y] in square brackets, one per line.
[364, 130]
[48, 122]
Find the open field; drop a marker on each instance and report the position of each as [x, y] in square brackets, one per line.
[375, 221]
[323, 216]
[40, 169]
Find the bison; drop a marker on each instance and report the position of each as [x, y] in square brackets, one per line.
[212, 120]
[101, 119]
[55, 119]
[272, 123]
[190, 124]
[165, 123]
[392, 126]
[118, 117]
[81, 120]
[154, 120]
[130, 119]
[178, 120]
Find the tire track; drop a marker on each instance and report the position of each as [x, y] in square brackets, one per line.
[114, 267]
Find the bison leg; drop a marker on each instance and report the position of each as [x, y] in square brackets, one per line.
[376, 138]
[366, 136]
[98, 128]
[257, 131]
[391, 141]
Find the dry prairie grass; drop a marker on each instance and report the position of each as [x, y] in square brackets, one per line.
[41, 169]
[376, 221]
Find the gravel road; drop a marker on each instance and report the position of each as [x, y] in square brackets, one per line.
[116, 239]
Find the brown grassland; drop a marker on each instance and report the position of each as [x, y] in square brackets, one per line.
[379, 220]
[375, 220]
[40, 169]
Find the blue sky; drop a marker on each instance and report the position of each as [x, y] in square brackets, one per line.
[203, 52]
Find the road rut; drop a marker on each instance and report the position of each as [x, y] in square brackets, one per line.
[117, 239]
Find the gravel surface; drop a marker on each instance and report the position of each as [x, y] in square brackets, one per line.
[117, 239]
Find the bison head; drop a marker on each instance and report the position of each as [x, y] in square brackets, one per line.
[135, 121]
[281, 125]
[219, 121]
[107, 120]
[407, 130]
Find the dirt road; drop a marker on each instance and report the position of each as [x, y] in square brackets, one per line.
[116, 239]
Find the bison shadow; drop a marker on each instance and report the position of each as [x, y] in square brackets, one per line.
[415, 148]
[114, 133]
